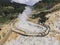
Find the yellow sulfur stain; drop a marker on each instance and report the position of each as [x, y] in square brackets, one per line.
[13, 36]
[57, 37]
[52, 34]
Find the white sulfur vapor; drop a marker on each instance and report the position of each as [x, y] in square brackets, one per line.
[24, 16]
[28, 11]
[27, 2]
[28, 26]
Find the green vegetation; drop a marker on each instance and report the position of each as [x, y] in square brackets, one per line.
[46, 4]
[10, 11]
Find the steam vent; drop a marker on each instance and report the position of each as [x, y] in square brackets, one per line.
[29, 22]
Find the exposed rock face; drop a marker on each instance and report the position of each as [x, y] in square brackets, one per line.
[21, 40]
[54, 21]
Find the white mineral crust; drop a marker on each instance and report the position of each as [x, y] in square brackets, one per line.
[22, 40]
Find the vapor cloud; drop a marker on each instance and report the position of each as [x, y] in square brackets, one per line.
[27, 2]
